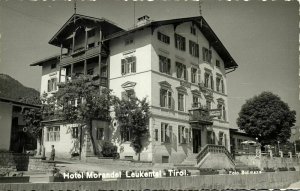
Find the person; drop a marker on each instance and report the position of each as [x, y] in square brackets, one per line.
[52, 153]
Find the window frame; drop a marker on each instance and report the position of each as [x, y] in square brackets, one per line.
[181, 101]
[179, 42]
[164, 64]
[128, 65]
[181, 71]
[194, 48]
[166, 97]
[163, 38]
[52, 134]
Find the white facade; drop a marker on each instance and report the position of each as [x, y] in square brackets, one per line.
[171, 86]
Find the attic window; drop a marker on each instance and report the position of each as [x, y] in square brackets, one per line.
[53, 65]
[128, 41]
[91, 33]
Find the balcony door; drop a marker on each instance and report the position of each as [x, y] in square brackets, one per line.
[196, 140]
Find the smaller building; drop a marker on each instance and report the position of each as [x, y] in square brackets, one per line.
[238, 139]
[13, 136]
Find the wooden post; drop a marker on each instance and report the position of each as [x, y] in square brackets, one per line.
[85, 61]
[99, 61]
[72, 69]
[73, 43]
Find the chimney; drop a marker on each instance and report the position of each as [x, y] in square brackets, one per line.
[143, 20]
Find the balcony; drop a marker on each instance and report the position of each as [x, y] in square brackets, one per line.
[200, 115]
[81, 55]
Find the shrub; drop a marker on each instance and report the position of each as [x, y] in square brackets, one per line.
[292, 169]
[269, 169]
[282, 169]
[109, 150]
[208, 171]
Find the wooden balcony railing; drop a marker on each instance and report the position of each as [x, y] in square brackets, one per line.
[213, 149]
[81, 55]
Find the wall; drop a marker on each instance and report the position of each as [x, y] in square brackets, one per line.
[5, 121]
[266, 162]
[14, 161]
[251, 181]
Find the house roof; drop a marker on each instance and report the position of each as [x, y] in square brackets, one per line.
[203, 26]
[77, 20]
[14, 102]
[42, 61]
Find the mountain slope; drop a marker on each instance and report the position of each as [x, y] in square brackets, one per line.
[12, 89]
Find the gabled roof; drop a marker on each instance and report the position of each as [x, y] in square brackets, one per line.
[203, 26]
[77, 20]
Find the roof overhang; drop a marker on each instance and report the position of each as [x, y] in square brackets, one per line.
[77, 20]
[17, 103]
[42, 61]
[203, 26]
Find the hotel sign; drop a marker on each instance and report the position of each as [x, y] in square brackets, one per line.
[215, 112]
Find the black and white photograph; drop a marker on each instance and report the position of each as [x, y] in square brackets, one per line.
[149, 95]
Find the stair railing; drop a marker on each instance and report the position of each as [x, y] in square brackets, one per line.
[213, 149]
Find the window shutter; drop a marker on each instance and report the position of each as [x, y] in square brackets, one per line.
[169, 99]
[222, 86]
[190, 46]
[203, 53]
[133, 69]
[123, 66]
[49, 85]
[179, 134]
[162, 133]
[169, 66]
[190, 135]
[170, 133]
[183, 39]
[187, 135]
[212, 82]
[210, 55]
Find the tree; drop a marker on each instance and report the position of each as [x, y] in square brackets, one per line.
[267, 117]
[133, 115]
[79, 101]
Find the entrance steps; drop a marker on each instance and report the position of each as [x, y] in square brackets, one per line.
[189, 162]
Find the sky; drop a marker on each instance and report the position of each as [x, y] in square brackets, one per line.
[262, 37]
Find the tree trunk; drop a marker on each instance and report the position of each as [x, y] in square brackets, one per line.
[80, 143]
[92, 137]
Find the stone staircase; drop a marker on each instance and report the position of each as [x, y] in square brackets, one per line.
[189, 162]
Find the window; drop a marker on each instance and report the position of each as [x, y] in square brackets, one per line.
[156, 134]
[221, 135]
[179, 42]
[196, 102]
[165, 98]
[180, 102]
[211, 137]
[194, 49]
[193, 75]
[207, 54]
[165, 159]
[193, 30]
[183, 134]
[181, 71]
[199, 76]
[164, 65]
[125, 135]
[208, 104]
[128, 65]
[74, 132]
[127, 94]
[166, 133]
[219, 84]
[52, 84]
[100, 133]
[90, 71]
[53, 65]
[218, 64]
[208, 80]
[164, 38]
[53, 134]
[128, 41]
[222, 109]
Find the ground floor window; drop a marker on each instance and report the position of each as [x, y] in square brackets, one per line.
[53, 133]
[184, 134]
[125, 135]
[74, 132]
[211, 137]
[221, 138]
[166, 133]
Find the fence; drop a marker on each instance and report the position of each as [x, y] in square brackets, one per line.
[250, 181]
